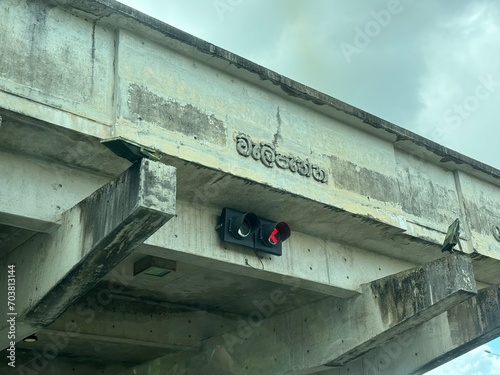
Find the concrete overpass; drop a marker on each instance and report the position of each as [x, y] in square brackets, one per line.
[362, 286]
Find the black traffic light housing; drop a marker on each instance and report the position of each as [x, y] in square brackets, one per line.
[247, 229]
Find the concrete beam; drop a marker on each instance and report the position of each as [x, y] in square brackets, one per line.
[464, 327]
[332, 331]
[37, 192]
[306, 260]
[409, 299]
[53, 270]
[102, 317]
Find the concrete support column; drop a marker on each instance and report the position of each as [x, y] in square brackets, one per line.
[52, 270]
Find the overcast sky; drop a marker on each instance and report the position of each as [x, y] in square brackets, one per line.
[430, 66]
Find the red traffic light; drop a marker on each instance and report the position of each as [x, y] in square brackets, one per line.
[274, 234]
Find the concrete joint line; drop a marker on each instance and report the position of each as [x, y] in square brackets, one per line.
[463, 212]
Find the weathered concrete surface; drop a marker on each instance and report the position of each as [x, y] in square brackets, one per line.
[33, 362]
[46, 190]
[111, 323]
[55, 269]
[73, 73]
[479, 200]
[203, 286]
[71, 70]
[464, 327]
[154, 326]
[312, 263]
[332, 332]
[157, 88]
[413, 297]
[51, 143]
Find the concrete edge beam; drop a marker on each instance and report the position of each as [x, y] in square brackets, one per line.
[464, 327]
[412, 297]
[470, 324]
[329, 331]
[54, 270]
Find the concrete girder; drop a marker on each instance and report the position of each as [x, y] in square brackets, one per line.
[464, 327]
[37, 192]
[53, 270]
[435, 288]
[306, 262]
[330, 332]
[164, 326]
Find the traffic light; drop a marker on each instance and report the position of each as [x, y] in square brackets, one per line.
[271, 235]
[247, 229]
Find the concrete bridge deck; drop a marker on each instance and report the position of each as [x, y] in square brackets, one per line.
[362, 286]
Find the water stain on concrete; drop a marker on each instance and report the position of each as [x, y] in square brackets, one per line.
[174, 116]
